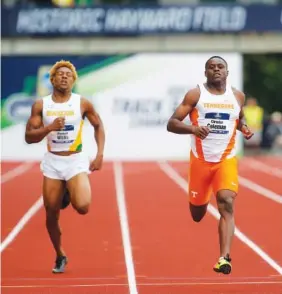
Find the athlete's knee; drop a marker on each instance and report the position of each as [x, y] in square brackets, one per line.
[225, 201]
[81, 205]
[52, 204]
[51, 209]
[83, 209]
[197, 212]
[52, 216]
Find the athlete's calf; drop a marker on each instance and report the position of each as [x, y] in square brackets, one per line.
[225, 202]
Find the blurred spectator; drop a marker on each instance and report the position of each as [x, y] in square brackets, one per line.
[72, 3]
[254, 118]
[273, 131]
[63, 3]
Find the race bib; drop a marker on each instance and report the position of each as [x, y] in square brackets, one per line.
[217, 122]
[65, 135]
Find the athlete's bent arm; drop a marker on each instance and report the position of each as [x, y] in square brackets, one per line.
[176, 124]
[35, 132]
[97, 123]
[242, 125]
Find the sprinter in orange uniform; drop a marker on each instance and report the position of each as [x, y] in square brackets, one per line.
[215, 110]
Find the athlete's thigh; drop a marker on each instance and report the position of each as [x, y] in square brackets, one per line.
[200, 177]
[52, 193]
[226, 176]
[80, 190]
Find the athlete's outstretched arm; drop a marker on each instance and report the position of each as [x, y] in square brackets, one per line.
[99, 135]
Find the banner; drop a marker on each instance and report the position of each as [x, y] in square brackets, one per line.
[141, 20]
[135, 95]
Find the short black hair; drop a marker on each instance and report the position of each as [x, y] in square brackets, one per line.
[215, 56]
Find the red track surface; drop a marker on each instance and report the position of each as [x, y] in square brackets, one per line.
[171, 254]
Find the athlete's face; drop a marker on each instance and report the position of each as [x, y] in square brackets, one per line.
[216, 71]
[63, 79]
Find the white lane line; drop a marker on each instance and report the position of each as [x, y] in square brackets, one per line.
[263, 167]
[21, 224]
[260, 190]
[118, 173]
[147, 284]
[172, 174]
[174, 279]
[18, 170]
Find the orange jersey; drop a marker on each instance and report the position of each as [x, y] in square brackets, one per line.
[221, 114]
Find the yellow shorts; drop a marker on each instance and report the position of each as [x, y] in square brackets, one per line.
[206, 178]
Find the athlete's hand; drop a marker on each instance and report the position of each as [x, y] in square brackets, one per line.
[247, 133]
[57, 124]
[200, 132]
[97, 163]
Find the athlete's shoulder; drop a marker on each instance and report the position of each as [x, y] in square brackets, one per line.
[237, 92]
[87, 106]
[195, 90]
[85, 100]
[38, 102]
[192, 96]
[37, 107]
[240, 96]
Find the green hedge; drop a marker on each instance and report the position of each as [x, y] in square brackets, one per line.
[263, 79]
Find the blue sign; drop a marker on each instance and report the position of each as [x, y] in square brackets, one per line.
[130, 20]
[31, 81]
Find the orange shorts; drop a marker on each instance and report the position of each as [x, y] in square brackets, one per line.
[206, 178]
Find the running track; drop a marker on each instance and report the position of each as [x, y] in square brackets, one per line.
[139, 236]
